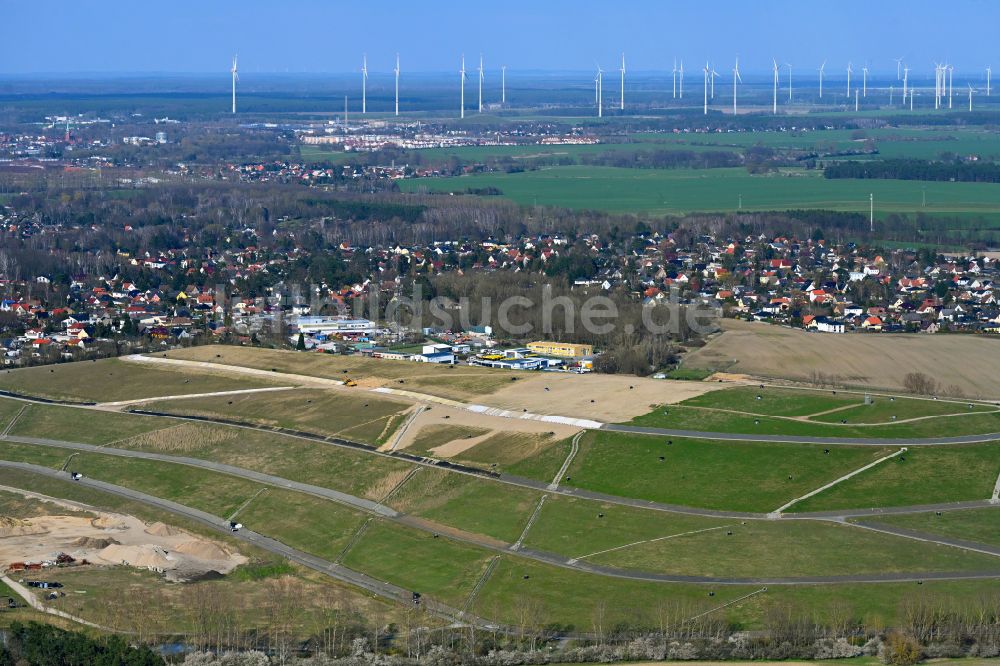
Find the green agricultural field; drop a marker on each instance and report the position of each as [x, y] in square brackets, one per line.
[467, 503]
[363, 417]
[111, 380]
[680, 191]
[774, 402]
[711, 474]
[792, 548]
[353, 472]
[924, 475]
[981, 525]
[436, 567]
[87, 426]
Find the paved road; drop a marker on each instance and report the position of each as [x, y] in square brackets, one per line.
[801, 439]
[336, 571]
[499, 547]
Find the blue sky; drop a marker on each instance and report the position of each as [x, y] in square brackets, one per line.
[313, 36]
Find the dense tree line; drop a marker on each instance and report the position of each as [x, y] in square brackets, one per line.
[908, 169]
[44, 645]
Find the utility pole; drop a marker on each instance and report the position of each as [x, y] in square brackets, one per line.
[871, 211]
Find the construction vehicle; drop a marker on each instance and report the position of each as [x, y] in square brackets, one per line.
[350, 382]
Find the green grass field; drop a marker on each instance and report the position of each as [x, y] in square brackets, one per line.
[466, 503]
[981, 525]
[710, 474]
[792, 548]
[89, 427]
[680, 191]
[362, 417]
[432, 436]
[415, 560]
[821, 414]
[111, 380]
[924, 475]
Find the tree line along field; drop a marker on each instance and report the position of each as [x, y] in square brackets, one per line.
[680, 191]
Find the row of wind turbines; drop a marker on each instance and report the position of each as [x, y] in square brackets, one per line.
[943, 84]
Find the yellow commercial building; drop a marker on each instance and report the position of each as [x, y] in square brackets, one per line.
[567, 349]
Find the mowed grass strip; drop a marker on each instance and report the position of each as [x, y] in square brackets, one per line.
[456, 382]
[112, 380]
[417, 561]
[74, 424]
[883, 409]
[326, 412]
[979, 525]
[736, 476]
[793, 548]
[467, 503]
[8, 410]
[774, 402]
[353, 472]
[924, 475]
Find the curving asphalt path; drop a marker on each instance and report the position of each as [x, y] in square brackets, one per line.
[540, 556]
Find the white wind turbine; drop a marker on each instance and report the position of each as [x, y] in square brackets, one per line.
[675, 78]
[849, 70]
[951, 83]
[906, 76]
[481, 76]
[461, 73]
[864, 81]
[970, 96]
[789, 65]
[622, 103]
[736, 78]
[989, 73]
[503, 84]
[822, 68]
[396, 72]
[364, 83]
[680, 89]
[774, 100]
[707, 75]
[236, 78]
[599, 91]
[711, 83]
[899, 64]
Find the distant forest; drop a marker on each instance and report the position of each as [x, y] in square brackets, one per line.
[967, 172]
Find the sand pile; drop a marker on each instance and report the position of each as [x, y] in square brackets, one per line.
[10, 527]
[136, 556]
[203, 550]
[109, 522]
[94, 543]
[162, 530]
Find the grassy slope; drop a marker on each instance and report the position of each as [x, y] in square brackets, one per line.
[474, 505]
[982, 525]
[705, 473]
[361, 416]
[928, 475]
[433, 436]
[89, 427]
[113, 379]
[324, 465]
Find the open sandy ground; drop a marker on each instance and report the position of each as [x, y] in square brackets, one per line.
[609, 398]
[878, 361]
[113, 539]
[460, 417]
